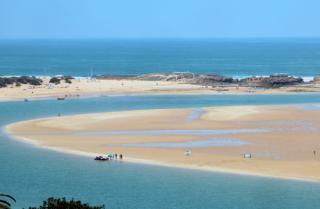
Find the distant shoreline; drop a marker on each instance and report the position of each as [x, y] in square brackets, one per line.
[26, 88]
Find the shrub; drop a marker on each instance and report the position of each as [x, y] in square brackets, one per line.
[5, 200]
[62, 203]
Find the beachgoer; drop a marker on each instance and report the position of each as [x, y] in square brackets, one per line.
[116, 156]
[120, 156]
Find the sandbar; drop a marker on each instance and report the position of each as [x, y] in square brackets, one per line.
[283, 140]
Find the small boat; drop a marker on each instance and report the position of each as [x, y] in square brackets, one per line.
[26, 100]
[101, 158]
[60, 98]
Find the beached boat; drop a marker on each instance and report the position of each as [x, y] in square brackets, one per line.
[101, 158]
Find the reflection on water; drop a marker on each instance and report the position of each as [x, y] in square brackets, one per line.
[173, 132]
[191, 144]
[195, 114]
[309, 106]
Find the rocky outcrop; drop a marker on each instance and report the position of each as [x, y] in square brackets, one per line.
[166, 76]
[273, 81]
[200, 79]
[5, 81]
[316, 79]
[212, 80]
[57, 80]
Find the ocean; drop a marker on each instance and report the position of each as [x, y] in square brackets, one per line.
[230, 57]
[31, 174]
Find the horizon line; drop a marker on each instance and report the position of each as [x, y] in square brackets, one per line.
[161, 38]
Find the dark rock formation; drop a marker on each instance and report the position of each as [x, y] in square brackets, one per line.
[273, 81]
[54, 80]
[5, 81]
[212, 80]
[57, 80]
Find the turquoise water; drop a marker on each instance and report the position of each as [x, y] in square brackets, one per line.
[232, 57]
[190, 144]
[31, 174]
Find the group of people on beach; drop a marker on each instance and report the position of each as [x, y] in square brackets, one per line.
[116, 156]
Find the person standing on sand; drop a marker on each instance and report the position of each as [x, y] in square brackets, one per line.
[120, 156]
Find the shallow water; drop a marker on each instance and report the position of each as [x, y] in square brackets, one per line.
[190, 144]
[31, 174]
[195, 114]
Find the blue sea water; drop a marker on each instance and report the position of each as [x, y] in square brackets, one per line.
[231, 57]
[32, 174]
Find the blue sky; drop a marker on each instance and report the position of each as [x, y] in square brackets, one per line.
[158, 18]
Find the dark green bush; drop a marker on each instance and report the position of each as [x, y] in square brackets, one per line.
[62, 203]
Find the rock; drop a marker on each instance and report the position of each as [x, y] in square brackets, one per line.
[4, 81]
[54, 80]
[273, 81]
[57, 80]
[316, 79]
[211, 79]
[200, 79]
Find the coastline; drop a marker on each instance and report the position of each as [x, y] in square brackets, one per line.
[146, 161]
[113, 86]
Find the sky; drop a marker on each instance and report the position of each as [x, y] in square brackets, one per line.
[158, 18]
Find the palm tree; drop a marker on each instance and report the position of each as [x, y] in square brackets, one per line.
[4, 204]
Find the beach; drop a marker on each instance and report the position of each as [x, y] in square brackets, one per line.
[87, 87]
[283, 140]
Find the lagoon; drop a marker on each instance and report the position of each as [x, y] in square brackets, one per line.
[32, 174]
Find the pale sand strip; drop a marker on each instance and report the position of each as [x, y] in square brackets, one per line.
[89, 88]
[295, 148]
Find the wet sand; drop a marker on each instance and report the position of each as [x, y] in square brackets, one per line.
[281, 139]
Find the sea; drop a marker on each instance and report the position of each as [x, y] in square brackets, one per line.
[229, 57]
[32, 174]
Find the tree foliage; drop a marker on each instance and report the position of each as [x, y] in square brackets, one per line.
[62, 203]
[5, 201]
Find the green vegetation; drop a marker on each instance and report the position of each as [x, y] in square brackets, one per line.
[5, 200]
[50, 203]
[62, 203]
